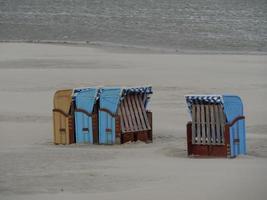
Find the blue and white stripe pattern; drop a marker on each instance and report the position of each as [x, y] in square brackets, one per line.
[202, 99]
[125, 91]
[147, 91]
[77, 90]
[137, 90]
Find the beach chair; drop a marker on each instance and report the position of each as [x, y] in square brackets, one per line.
[123, 116]
[217, 127]
[63, 117]
[86, 115]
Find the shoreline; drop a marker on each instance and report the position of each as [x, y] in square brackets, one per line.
[134, 49]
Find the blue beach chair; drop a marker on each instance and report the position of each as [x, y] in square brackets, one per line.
[86, 124]
[123, 116]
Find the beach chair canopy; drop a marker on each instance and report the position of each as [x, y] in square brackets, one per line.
[85, 98]
[111, 97]
[62, 100]
[232, 105]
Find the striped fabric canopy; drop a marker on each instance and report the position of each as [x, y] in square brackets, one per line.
[202, 99]
[137, 90]
[125, 91]
[77, 90]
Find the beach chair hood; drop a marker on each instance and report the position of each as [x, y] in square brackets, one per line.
[232, 104]
[110, 97]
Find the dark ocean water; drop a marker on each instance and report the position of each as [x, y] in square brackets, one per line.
[210, 25]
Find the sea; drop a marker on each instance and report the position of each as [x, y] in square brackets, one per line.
[175, 25]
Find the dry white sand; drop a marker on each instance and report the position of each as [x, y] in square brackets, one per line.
[31, 167]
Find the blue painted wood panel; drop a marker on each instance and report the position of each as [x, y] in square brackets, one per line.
[84, 100]
[109, 102]
[233, 107]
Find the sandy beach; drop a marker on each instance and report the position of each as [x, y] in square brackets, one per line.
[32, 167]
